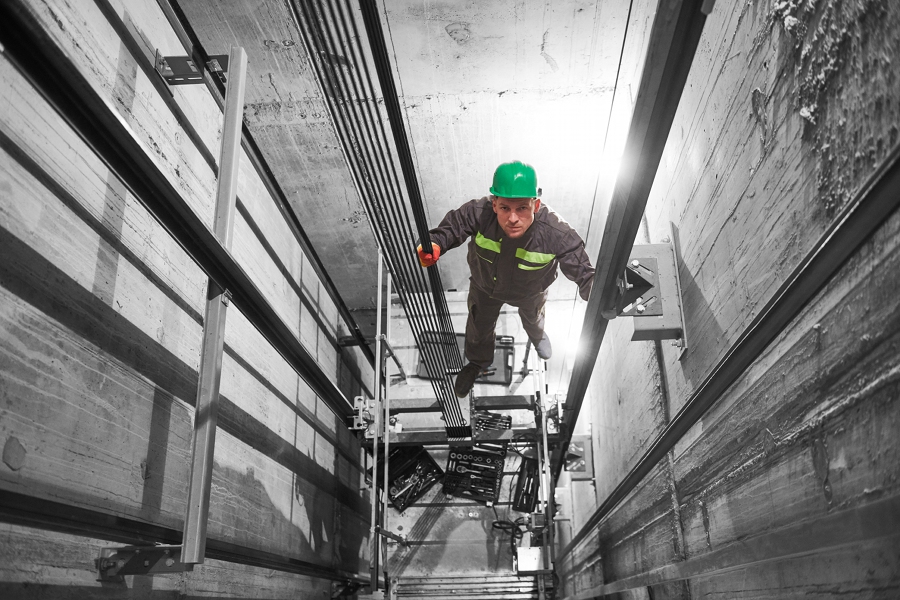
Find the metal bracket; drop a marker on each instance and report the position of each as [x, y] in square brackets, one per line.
[554, 413]
[638, 287]
[389, 351]
[364, 418]
[650, 291]
[182, 70]
[400, 539]
[642, 298]
[342, 589]
[114, 563]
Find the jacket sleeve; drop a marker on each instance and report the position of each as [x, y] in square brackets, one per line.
[457, 225]
[575, 264]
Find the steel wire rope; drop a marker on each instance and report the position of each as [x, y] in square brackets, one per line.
[373, 182]
[368, 91]
[366, 170]
[444, 342]
[441, 314]
[382, 63]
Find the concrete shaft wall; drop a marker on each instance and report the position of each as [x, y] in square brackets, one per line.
[789, 107]
[101, 316]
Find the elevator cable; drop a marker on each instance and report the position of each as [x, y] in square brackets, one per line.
[339, 63]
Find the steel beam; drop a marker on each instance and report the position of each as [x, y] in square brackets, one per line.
[384, 526]
[438, 437]
[673, 41]
[374, 540]
[414, 405]
[425, 405]
[504, 402]
[60, 82]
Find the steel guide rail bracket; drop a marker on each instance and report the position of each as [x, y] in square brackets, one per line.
[114, 563]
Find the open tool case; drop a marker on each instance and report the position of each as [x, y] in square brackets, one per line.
[411, 473]
[500, 371]
[475, 472]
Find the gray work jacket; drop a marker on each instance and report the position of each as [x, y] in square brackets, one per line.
[513, 270]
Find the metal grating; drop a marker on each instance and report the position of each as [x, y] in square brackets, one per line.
[499, 586]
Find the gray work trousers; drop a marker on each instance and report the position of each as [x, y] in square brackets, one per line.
[482, 322]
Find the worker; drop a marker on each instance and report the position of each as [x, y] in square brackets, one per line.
[515, 246]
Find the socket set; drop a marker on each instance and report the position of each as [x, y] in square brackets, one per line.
[488, 421]
[475, 473]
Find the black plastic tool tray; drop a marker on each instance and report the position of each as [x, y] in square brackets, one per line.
[411, 473]
[475, 473]
[525, 498]
[501, 369]
[488, 421]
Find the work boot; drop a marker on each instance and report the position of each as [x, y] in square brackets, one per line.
[466, 379]
[543, 348]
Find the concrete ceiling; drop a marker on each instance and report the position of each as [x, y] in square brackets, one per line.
[480, 83]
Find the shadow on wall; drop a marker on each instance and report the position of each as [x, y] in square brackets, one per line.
[698, 319]
[249, 509]
[48, 289]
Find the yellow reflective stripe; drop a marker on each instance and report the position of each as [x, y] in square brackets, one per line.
[486, 243]
[534, 257]
[528, 268]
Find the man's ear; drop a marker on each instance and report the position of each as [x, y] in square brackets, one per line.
[494, 203]
[537, 205]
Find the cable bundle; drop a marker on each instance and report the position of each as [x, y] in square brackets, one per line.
[334, 45]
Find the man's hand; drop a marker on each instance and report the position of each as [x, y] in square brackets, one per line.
[426, 260]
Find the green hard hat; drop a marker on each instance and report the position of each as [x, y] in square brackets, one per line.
[515, 180]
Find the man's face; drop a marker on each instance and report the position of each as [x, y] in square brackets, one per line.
[515, 215]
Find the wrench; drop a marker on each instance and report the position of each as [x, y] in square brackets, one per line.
[480, 471]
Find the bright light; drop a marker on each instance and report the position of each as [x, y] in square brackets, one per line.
[614, 146]
[609, 169]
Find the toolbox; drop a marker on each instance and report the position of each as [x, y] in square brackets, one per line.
[501, 369]
[488, 421]
[475, 473]
[411, 473]
[525, 498]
